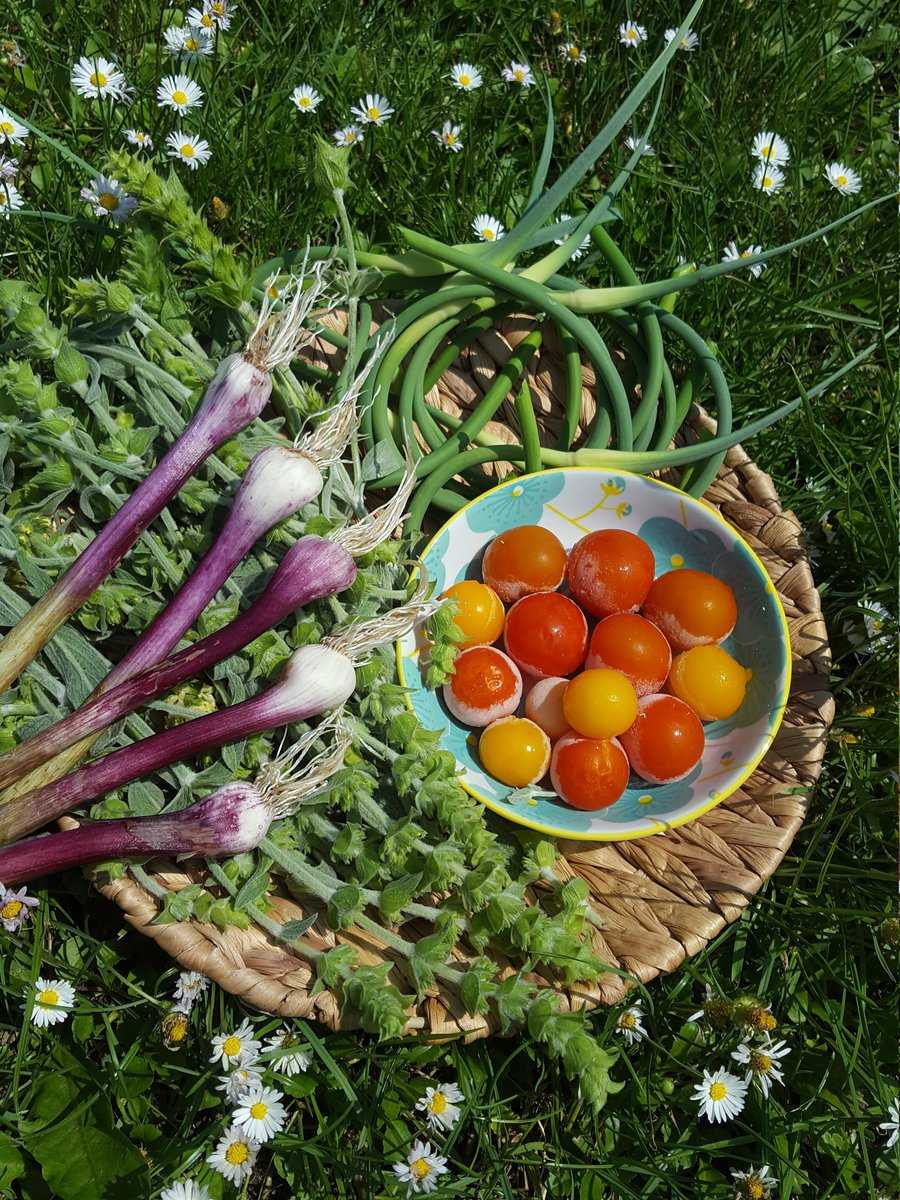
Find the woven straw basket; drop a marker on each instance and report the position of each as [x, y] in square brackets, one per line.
[661, 898]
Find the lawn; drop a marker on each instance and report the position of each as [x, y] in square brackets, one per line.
[108, 1103]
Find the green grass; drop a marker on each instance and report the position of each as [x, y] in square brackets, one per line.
[811, 943]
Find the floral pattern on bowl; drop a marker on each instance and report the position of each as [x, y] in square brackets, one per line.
[682, 532]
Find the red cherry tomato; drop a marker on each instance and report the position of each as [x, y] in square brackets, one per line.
[522, 561]
[544, 706]
[666, 740]
[692, 608]
[633, 645]
[485, 686]
[610, 571]
[588, 773]
[546, 634]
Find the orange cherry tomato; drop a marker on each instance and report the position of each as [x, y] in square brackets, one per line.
[610, 571]
[485, 686]
[710, 681]
[666, 740]
[600, 703]
[522, 561]
[479, 612]
[544, 706]
[634, 646]
[588, 773]
[546, 634]
[692, 608]
[515, 751]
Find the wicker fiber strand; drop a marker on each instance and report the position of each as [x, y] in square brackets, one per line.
[661, 899]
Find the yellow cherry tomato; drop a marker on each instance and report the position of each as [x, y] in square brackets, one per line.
[515, 751]
[479, 612]
[600, 703]
[709, 681]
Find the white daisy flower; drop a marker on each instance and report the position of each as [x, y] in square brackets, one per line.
[137, 137]
[186, 1190]
[465, 77]
[573, 53]
[631, 34]
[421, 1170]
[8, 169]
[221, 11]
[876, 619]
[843, 178]
[200, 18]
[108, 198]
[576, 254]
[755, 1184]
[763, 1063]
[234, 1156]
[373, 109]
[519, 73]
[448, 136]
[771, 149]
[647, 151]
[349, 135]
[290, 1061]
[768, 179]
[487, 228]
[14, 906]
[12, 132]
[189, 986]
[260, 1113]
[305, 98]
[98, 77]
[721, 1095]
[892, 1126]
[238, 1047]
[188, 43]
[52, 1000]
[179, 92]
[236, 1082]
[193, 151]
[629, 1024]
[441, 1106]
[733, 254]
[689, 40]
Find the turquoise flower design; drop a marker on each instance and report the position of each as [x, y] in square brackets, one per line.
[520, 502]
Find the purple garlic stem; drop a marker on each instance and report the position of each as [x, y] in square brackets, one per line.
[230, 821]
[312, 568]
[315, 679]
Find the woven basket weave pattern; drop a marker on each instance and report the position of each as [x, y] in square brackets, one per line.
[660, 899]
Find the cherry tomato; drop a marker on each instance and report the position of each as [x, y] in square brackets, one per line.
[666, 740]
[522, 561]
[710, 681]
[588, 773]
[515, 751]
[610, 571]
[479, 612]
[600, 703]
[692, 608]
[634, 646]
[485, 686]
[544, 706]
[546, 634]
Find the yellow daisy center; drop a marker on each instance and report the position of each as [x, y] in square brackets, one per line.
[98, 79]
[350, 136]
[419, 1169]
[206, 21]
[627, 1020]
[6, 126]
[487, 233]
[11, 908]
[767, 181]
[767, 150]
[258, 1110]
[187, 151]
[232, 1045]
[373, 113]
[746, 254]
[631, 34]
[684, 43]
[761, 1063]
[2, 198]
[465, 80]
[191, 44]
[574, 52]
[449, 138]
[178, 1030]
[217, 8]
[108, 201]
[272, 292]
[179, 97]
[717, 1091]
[48, 996]
[438, 1103]
[303, 101]
[518, 74]
[841, 181]
[237, 1154]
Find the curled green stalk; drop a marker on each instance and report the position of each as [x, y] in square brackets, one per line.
[531, 438]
